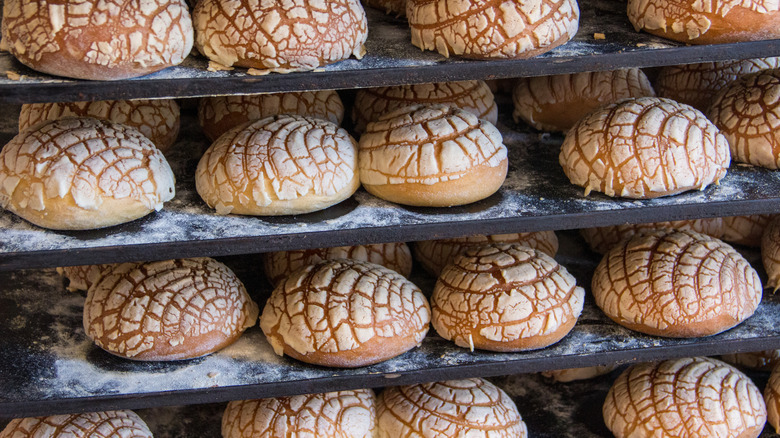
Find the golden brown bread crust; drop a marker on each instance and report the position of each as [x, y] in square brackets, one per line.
[107, 424]
[676, 284]
[686, 398]
[746, 230]
[556, 103]
[772, 399]
[168, 310]
[574, 374]
[644, 148]
[602, 239]
[345, 313]
[102, 40]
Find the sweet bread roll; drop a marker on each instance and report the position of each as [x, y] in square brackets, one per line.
[747, 112]
[345, 313]
[103, 40]
[455, 408]
[505, 297]
[712, 22]
[342, 414]
[644, 148]
[678, 284]
[745, 230]
[83, 173]
[756, 360]
[770, 253]
[556, 103]
[219, 114]
[485, 29]
[772, 399]
[602, 239]
[434, 255]
[574, 374]
[107, 424]
[697, 84]
[280, 36]
[84, 276]
[433, 156]
[685, 398]
[168, 310]
[157, 119]
[394, 7]
[396, 256]
[279, 165]
[472, 96]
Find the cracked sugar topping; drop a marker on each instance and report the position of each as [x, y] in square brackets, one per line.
[107, 424]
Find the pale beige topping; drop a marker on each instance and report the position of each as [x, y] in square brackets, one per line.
[745, 230]
[342, 414]
[267, 166]
[770, 253]
[281, 36]
[772, 399]
[644, 148]
[574, 374]
[84, 276]
[167, 310]
[427, 145]
[602, 239]
[396, 256]
[491, 28]
[108, 424]
[504, 293]
[473, 408]
[757, 360]
[676, 283]
[684, 398]
[472, 96]
[747, 112]
[156, 119]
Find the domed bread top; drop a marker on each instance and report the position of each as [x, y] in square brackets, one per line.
[103, 40]
[279, 165]
[747, 112]
[434, 255]
[168, 310]
[697, 84]
[574, 374]
[87, 425]
[396, 256]
[756, 360]
[486, 29]
[219, 114]
[84, 276]
[712, 22]
[772, 399]
[676, 284]
[83, 173]
[602, 239]
[686, 398]
[556, 103]
[505, 297]
[157, 119]
[342, 414]
[280, 36]
[770, 253]
[345, 313]
[472, 96]
[457, 408]
[745, 230]
[644, 148]
[394, 7]
[434, 156]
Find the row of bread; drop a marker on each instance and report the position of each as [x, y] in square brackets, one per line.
[682, 398]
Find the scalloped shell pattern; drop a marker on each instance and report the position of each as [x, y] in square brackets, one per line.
[107, 424]
[602, 239]
[84, 276]
[745, 230]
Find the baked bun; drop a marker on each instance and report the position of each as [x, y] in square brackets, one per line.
[84, 276]
[455, 408]
[342, 414]
[396, 256]
[756, 360]
[602, 239]
[484, 29]
[644, 148]
[770, 253]
[168, 310]
[505, 297]
[157, 119]
[556, 103]
[677, 284]
[747, 112]
[432, 156]
[434, 255]
[48, 176]
[772, 399]
[314, 167]
[697, 84]
[394, 7]
[363, 314]
[713, 22]
[574, 374]
[107, 424]
[103, 40]
[745, 230]
[281, 37]
[685, 398]
[219, 114]
[472, 96]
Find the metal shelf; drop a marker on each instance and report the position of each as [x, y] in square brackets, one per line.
[392, 60]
